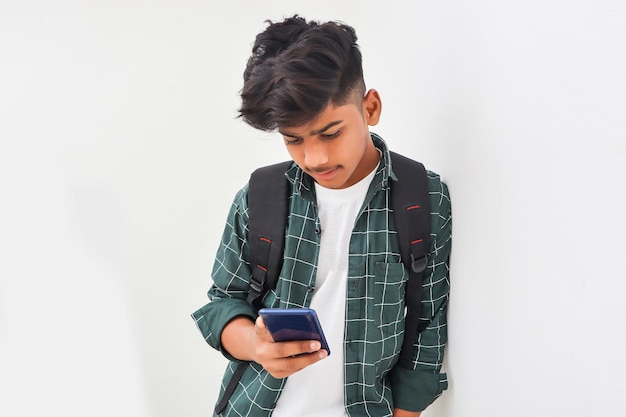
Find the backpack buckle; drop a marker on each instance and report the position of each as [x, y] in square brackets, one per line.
[257, 281]
[418, 265]
[255, 286]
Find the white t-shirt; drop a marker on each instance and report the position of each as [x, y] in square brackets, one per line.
[317, 391]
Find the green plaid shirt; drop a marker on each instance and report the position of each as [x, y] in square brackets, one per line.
[374, 326]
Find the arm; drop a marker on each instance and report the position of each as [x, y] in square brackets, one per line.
[414, 389]
[230, 279]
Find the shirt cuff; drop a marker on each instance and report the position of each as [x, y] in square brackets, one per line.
[414, 390]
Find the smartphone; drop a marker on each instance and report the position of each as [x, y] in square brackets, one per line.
[289, 324]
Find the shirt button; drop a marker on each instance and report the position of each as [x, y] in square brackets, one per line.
[310, 288]
[318, 230]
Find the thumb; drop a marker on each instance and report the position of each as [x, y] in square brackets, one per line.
[261, 330]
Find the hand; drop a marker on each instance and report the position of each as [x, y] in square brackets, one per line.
[282, 359]
[251, 341]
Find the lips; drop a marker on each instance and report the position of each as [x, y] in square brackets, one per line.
[324, 175]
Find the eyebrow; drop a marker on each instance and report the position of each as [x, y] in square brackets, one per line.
[313, 132]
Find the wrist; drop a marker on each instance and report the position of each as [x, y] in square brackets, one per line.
[237, 330]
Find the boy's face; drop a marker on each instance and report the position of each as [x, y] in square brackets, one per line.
[336, 148]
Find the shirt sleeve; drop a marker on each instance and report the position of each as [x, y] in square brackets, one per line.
[415, 389]
[231, 274]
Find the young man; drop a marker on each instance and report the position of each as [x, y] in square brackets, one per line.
[341, 257]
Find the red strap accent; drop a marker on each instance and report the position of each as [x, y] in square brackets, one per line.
[265, 239]
[261, 267]
[413, 207]
[417, 241]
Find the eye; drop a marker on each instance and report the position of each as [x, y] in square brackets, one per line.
[331, 135]
[291, 141]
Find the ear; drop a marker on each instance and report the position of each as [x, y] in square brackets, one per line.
[372, 107]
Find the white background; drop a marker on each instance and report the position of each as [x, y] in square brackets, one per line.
[120, 153]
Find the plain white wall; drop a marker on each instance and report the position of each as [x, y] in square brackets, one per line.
[120, 154]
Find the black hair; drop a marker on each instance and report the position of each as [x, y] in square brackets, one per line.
[297, 68]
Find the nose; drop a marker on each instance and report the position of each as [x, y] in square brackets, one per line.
[315, 154]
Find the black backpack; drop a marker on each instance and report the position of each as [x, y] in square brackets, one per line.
[268, 208]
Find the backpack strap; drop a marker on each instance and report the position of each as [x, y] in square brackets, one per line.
[411, 211]
[230, 388]
[268, 202]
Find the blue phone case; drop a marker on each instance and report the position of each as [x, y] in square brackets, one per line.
[288, 324]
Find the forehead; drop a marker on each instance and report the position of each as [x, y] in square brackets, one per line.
[332, 114]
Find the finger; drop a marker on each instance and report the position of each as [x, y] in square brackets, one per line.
[295, 348]
[299, 362]
[282, 368]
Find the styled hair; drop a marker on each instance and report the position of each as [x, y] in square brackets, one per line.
[297, 68]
